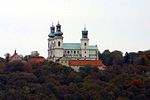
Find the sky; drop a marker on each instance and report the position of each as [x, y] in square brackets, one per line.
[112, 24]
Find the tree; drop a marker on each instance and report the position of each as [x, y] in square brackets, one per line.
[106, 57]
[7, 56]
[126, 58]
[117, 57]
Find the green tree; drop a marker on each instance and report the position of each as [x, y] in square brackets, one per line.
[117, 57]
[106, 57]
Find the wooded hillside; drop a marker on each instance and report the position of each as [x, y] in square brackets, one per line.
[128, 80]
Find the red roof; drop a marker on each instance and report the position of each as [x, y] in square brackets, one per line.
[37, 60]
[93, 63]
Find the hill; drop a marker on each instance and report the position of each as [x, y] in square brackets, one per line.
[52, 81]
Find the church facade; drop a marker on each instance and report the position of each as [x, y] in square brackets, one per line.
[60, 51]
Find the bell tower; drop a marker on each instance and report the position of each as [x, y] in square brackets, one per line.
[58, 43]
[51, 43]
[84, 44]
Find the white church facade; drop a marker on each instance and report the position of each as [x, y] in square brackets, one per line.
[58, 50]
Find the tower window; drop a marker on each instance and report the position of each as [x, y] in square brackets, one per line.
[74, 52]
[68, 52]
[58, 43]
[84, 44]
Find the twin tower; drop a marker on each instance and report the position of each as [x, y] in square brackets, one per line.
[69, 51]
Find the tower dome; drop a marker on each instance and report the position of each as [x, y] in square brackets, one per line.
[52, 31]
[58, 30]
[84, 33]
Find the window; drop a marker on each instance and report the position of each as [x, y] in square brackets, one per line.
[85, 52]
[84, 44]
[68, 52]
[74, 52]
[78, 52]
[58, 43]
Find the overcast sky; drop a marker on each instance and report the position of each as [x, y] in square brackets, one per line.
[112, 24]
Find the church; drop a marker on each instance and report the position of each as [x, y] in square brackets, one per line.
[61, 52]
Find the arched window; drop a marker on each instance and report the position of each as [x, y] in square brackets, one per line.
[58, 43]
[84, 44]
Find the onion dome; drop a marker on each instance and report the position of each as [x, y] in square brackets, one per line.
[58, 30]
[52, 31]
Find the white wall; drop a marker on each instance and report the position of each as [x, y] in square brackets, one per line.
[84, 41]
[56, 40]
[85, 53]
